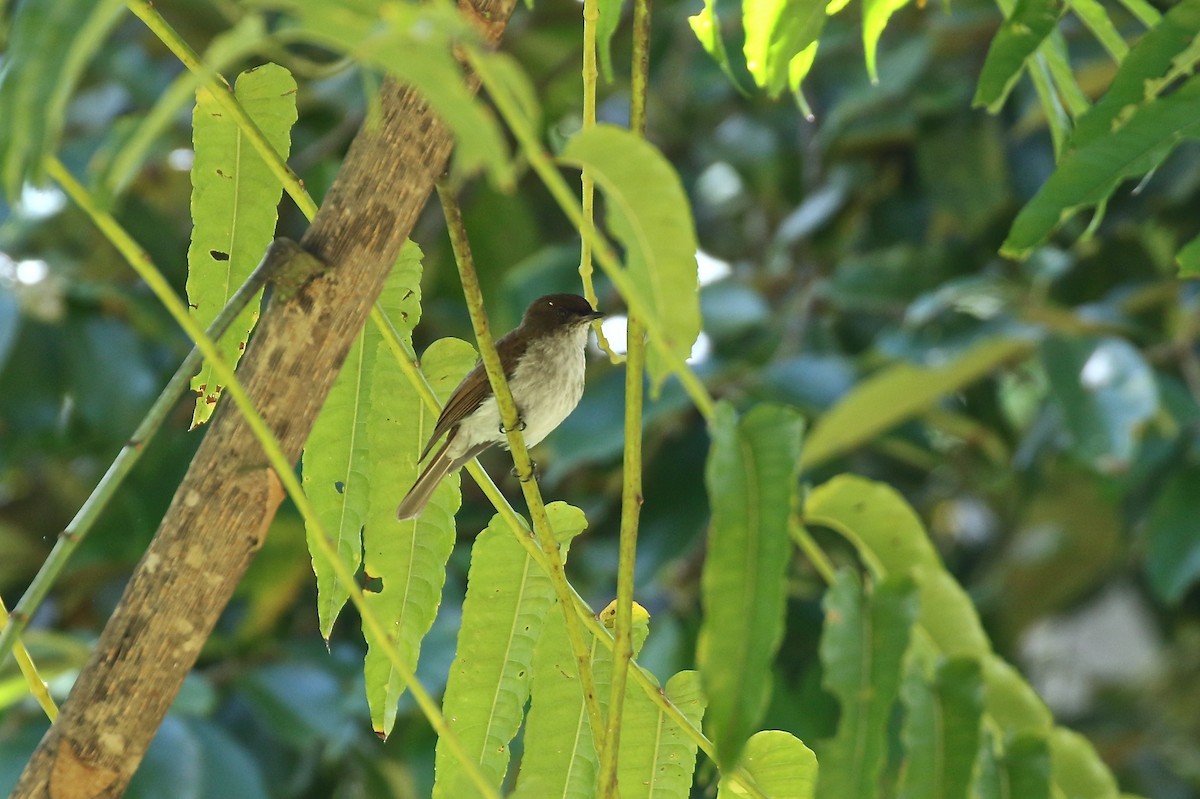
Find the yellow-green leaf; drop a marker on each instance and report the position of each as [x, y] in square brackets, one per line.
[781, 766]
[235, 200]
[776, 30]
[649, 214]
[656, 757]
[404, 563]
[508, 600]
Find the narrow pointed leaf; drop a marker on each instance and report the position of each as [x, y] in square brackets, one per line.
[876, 14]
[751, 481]
[404, 563]
[508, 599]
[338, 464]
[1017, 40]
[862, 650]
[776, 30]
[657, 759]
[1026, 767]
[1089, 175]
[1170, 46]
[780, 764]
[1011, 703]
[649, 214]
[900, 392]
[235, 200]
[941, 729]
[707, 27]
[50, 44]
[1096, 18]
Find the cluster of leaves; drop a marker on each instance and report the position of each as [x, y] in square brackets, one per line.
[1056, 401]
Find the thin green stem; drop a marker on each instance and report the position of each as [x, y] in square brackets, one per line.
[631, 476]
[37, 686]
[809, 546]
[510, 418]
[74, 533]
[558, 188]
[145, 11]
[591, 15]
[140, 260]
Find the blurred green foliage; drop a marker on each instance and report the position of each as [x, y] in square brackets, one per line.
[861, 241]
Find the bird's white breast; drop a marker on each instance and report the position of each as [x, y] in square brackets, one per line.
[546, 385]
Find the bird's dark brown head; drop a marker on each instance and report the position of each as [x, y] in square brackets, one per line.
[558, 312]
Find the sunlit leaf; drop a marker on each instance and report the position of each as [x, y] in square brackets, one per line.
[781, 766]
[876, 14]
[1018, 38]
[508, 599]
[1078, 771]
[649, 214]
[235, 199]
[414, 43]
[404, 563]
[751, 480]
[338, 464]
[50, 44]
[898, 393]
[707, 27]
[776, 30]
[862, 648]
[656, 757]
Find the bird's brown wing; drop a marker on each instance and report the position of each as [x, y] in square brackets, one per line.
[472, 391]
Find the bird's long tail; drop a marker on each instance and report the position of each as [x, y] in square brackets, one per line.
[435, 471]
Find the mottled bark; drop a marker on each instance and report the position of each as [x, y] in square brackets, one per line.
[223, 507]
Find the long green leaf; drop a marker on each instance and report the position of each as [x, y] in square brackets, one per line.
[862, 650]
[649, 214]
[338, 464]
[776, 30]
[1170, 46]
[606, 27]
[751, 480]
[235, 200]
[656, 758]
[941, 729]
[50, 45]
[508, 599]
[781, 766]
[1097, 21]
[1027, 767]
[414, 42]
[898, 393]
[1017, 40]
[1087, 176]
[404, 563]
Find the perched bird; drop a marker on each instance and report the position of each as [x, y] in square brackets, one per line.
[544, 364]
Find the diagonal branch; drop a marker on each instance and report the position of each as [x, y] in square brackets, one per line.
[224, 506]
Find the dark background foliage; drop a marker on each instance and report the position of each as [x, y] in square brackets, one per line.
[864, 238]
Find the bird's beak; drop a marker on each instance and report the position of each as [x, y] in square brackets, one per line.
[594, 315]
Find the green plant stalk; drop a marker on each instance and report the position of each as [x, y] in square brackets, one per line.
[140, 260]
[591, 14]
[78, 528]
[37, 686]
[558, 188]
[295, 189]
[221, 91]
[510, 418]
[631, 470]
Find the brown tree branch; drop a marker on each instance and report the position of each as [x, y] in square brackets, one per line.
[224, 506]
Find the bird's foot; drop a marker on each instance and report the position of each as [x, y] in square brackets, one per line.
[533, 472]
[520, 426]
